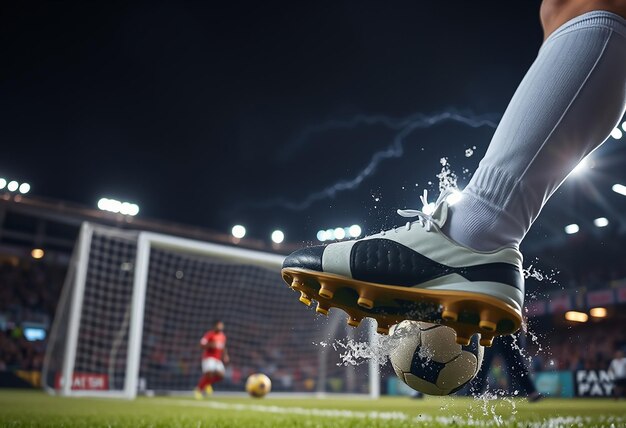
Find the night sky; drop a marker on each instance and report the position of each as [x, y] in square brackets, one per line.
[216, 113]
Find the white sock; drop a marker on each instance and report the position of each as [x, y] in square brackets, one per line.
[567, 104]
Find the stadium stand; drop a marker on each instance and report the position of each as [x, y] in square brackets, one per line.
[29, 292]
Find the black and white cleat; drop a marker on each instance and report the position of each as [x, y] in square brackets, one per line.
[414, 272]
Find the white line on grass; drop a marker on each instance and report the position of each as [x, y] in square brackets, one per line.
[553, 422]
[331, 413]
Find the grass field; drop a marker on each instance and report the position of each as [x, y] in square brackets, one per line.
[35, 409]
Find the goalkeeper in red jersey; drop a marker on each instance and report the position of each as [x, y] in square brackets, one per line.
[214, 356]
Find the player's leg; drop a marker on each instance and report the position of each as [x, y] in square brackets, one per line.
[199, 389]
[462, 265]
[619, 389]
[214, 374]
[478, 385]
[566, 106]
[204, 383]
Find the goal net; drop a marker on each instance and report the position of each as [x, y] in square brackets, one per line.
[135, 305]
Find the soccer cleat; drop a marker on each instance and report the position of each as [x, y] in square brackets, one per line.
[197, 394]
[417, 273]
[208, 390]
[353, 322]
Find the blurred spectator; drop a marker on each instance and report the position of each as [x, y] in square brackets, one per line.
[618, 370]
[29, 292]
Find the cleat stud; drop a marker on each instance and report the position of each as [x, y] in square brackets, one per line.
[353, 322]
[486, 341]
[486, 322]
[365, 302]
[463, 341]
[382, 328]
[322, 309]
[487, 326]
[326, 291]
[305, 299]
[296, 283]
[449, 315]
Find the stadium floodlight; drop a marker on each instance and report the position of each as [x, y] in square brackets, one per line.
[601, 222]
[339, 233]
[571, 229]
[103, 204]
[598, 312]
[454, 197]
[37, 253]
[617, 133]
[576, 316]
[13, 186]
[278, 236]
[125, 208]
[619, 188]
[117, 207]
[355, 231]
[238, 231]
[3, 183]
[24, 188]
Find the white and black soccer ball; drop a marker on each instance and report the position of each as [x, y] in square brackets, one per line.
[427, 358]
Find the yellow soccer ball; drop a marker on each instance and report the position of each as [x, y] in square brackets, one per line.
[258, 385]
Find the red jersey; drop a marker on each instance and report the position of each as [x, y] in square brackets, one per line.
[216, 341]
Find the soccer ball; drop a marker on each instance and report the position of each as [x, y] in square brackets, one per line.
[427, 358]
[258, 385]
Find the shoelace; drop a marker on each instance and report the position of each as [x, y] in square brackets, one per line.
[425, 220]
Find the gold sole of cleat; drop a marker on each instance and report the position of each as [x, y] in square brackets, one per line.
[486, 341]
[353, 322]
[322, 309]
[488, 326]
[466, 312]
[305, 299]
[326, 291]
[448, 315]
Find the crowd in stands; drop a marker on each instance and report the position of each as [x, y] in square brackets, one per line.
[29, 292]
[590, 263]
[580, 347]
[18, 353]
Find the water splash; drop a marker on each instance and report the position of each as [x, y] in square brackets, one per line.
[447, 178]
[540, 275]
[494, 404]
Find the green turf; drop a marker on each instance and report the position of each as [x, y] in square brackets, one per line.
[34, 409]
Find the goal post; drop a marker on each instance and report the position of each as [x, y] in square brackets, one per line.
[135, 304]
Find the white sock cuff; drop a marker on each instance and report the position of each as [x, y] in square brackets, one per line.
[492, 183]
